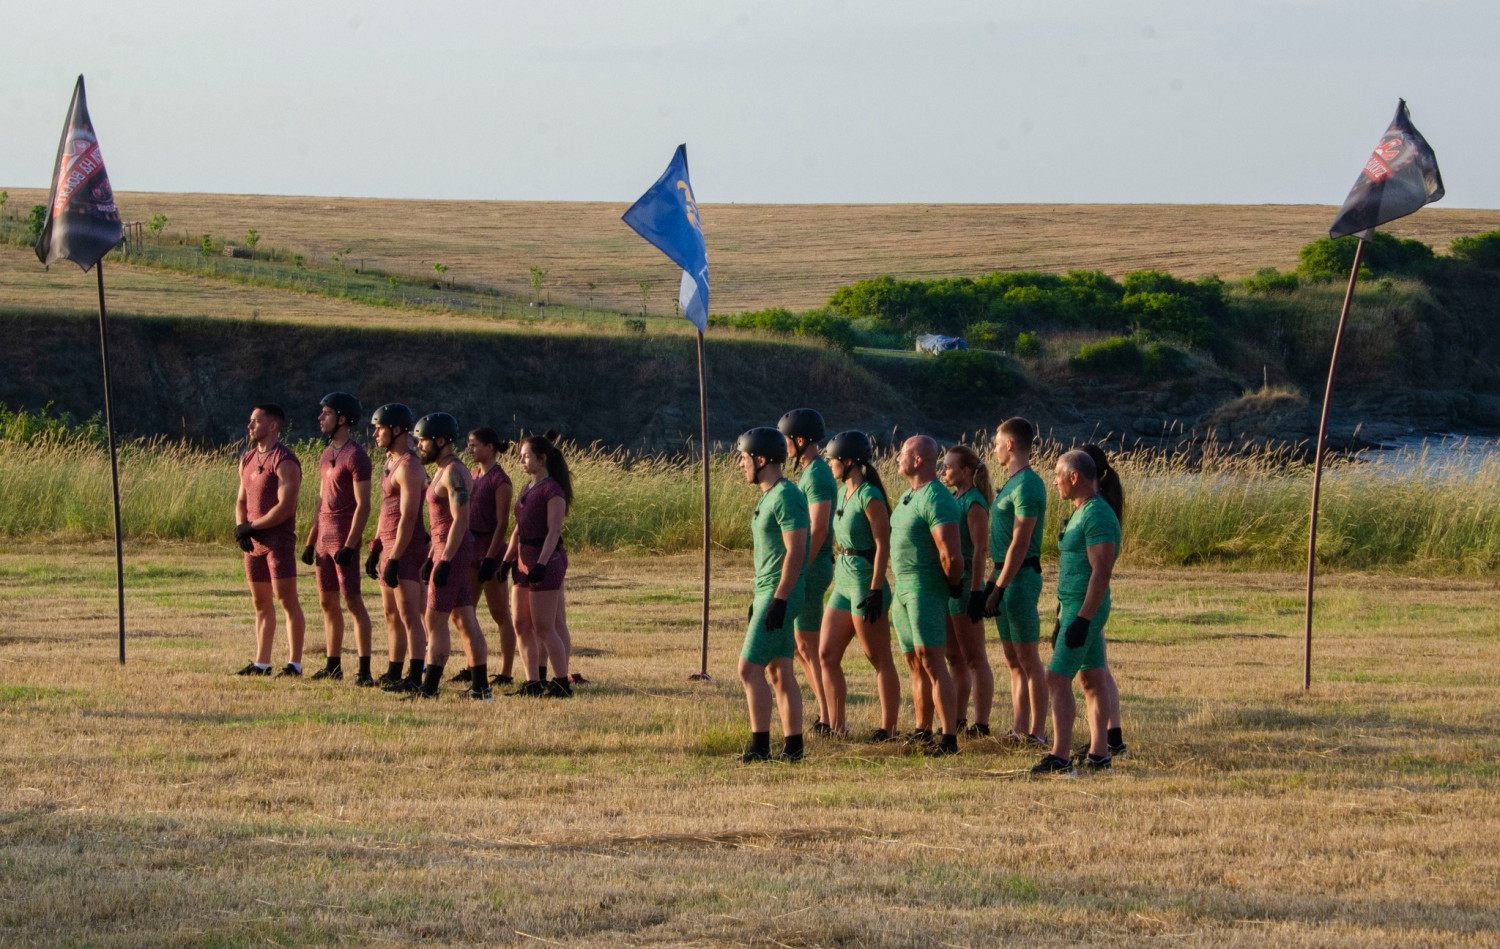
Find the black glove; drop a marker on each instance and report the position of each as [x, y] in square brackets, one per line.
[537, 573]
[1078, 632]
[487, 568]
[872, 607]
[344, 556]
[955, 590]
[372, 564]
[507, 569]
[998, 593]
[425, 573]
[392, 576]
[440, 573]
[976, 605]
[776, 614]
[242, 536]
[246, 544]
[309, 555]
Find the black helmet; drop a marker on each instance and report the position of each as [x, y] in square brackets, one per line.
[437, 425]
[850, 446]
[763, 442]
[393, 415]
[344, 404]
[802, 423]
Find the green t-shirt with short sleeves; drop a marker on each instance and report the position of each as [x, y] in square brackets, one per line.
[1093, 523]
[914, 554]
[818, 484]
[1023, 495]
[851, 525]
[966, 501]
[781, 509]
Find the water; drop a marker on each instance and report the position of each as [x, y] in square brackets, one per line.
[1445, 452]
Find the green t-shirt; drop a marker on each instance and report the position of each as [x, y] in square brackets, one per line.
[851, 526]
[1094, 523]
[1024, 495]
[914, 554]
[781, 509]
[818, 484]
[965, 501]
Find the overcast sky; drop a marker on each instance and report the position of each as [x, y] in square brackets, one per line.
[1255, 101]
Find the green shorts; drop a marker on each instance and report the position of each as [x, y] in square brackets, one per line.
[960, 604]
[851, 584]
[920, 616]
[1070, 662]
[816, 577]
[763, 645]
[1018, 621]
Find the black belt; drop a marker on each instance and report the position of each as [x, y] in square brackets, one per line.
[866, 552]
[534, 541]
[1034, 563]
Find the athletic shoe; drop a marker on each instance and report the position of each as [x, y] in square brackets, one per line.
[1035, 741]
[388, 680]
[557, 689]
[482, 693]
[963, 725]
[1091, 763]
[976, 731]
[916, 739]
[419, 693]
[788, 756]
[403, 686]
[750, 756]
[880, 737]
[1119, 751]
[943, 746]
[576, 679]
[1052, 764]
[335, 673]
[462, 675]
[289, 671]
[253, 670]
[821, 727]
[531, 688]
[501, 678]
[364, 680]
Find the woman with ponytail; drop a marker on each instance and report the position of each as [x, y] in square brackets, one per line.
[540, 562]
[489, 522]
[966, 475]
[1110, 489]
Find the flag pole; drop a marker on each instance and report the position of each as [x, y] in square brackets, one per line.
[702, 673]
[1312, 534]
[114, 463]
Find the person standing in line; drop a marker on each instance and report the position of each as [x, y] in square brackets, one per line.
[450, 594]
[400, 547]
[540, 563]
[265, 527]
[804, 430]
[1108, 485]
[928, 563]
[967, 477]
[1015, 585]
[779, 527]
[1085, 562]
[337, 533]
[489, 522]
[859, 603]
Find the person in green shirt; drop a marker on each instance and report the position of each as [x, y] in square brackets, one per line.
[1015, 585]
[860, 599]
[780, 527]
[804, 430]
[966, 476]
[1085, 561]
[928, 563]
[1107, 483]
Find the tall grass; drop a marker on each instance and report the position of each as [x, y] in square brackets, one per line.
[1431, 512]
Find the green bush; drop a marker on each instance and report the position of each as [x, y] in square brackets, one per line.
[1160, 362]
[1028, 346]
[1117, 356]
[1269, 280]
[833, 327]
[987, 335]
[959, 379]
[1480, 250]
[36, 223]
[1327, 259]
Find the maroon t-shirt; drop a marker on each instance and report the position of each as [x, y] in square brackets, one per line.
[340, 469]
[482, 506]
[258, 475]
[531, 512]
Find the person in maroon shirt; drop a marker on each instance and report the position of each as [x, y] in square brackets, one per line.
[265, 519]
[338, 531]
[489, 522]
[536, 554]
[450, 593]
[400, 547]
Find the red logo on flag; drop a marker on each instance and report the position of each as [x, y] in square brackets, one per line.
[1378, 168]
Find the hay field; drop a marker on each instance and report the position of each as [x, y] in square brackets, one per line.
[167, 804]
[764, 255]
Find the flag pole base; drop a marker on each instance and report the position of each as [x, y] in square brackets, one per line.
[700, 677]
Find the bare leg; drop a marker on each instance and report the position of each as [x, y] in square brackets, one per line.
[1064, 709]
[499, 606]
[1096, 697]
[412, 602]
[757, 695]
[333, 622]
[876, 640]
[788, 696]
[546, 606]
[935, 664]
[265, 621]
[395, 626]
[921, 693]
[526, 642]
[807, 655]
[958, 666]
[971, 635]
[438, 644]
[475, 647]
[838, 630]
[296, 624]
[355, 603]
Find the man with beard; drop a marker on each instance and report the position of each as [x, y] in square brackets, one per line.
[265, 518]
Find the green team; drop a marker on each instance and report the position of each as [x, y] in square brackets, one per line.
[928, 565]
[1015, 585]
[780, 528]
[804, 430]
[1086, 557]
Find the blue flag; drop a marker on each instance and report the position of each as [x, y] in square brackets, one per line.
[667, 216]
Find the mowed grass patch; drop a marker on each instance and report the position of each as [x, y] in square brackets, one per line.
[167, 803]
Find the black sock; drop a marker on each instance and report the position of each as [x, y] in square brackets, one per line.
[479, 676]
[432, 677]
[364, 666]
[393, 670]
[334, 662]
[1113, 737]
[541, 672]
[792, 746]
[760, 743]
[950, 741]
[414, 671]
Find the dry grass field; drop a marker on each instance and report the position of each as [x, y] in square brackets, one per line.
[167, 804]
[763, 255]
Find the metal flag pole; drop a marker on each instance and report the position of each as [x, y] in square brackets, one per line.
[1312, 534]
[702, 673]
[114, 463]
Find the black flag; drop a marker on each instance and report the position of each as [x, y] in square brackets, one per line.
[1400, 177]
[82, 220]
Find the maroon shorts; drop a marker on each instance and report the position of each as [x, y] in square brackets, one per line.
[459, 590]
[409, 567]
[272, 558]
[557, 568]
[332, 577]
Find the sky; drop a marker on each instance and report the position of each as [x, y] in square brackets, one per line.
[1112, 101]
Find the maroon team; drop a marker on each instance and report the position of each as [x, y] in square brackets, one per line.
[426, 580]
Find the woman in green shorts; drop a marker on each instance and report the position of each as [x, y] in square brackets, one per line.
[860, 601]
[969, 480]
